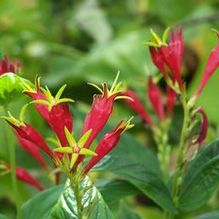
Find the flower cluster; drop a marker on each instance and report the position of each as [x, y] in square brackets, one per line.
[163, 109]
[168, 58]
[68, 155]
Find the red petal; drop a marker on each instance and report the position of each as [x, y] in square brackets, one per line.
[33, 150]
[26, 177]
[211, 66]
[155, 98]
[171, 100]
[106, 144]
[157, 58]
[137, 106]
[204, 126]
[59, 118]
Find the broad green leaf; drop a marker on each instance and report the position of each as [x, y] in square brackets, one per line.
[113, 190]
[93, 204]
[201, 179]
[59, 202]
[126, 213]
[211, 215]
[10, 87]
[41, 205]
[139, 166]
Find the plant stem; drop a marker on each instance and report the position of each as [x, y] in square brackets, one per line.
[163, 152]
[12, 159]
[76, 188]
[181, 151]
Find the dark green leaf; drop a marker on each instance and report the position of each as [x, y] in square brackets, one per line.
[126, 213]
[201, 178]
[212, 215]
[41, 205]
[139, 166]
[114, 190]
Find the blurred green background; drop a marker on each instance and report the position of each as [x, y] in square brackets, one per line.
[76, 42]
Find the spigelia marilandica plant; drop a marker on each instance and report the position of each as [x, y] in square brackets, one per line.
[68, 155]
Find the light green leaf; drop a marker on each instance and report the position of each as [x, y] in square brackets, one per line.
[66, 207]
[10, 87]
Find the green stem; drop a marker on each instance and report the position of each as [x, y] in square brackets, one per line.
[181, 151]
[78, 196]
[12, 159]
[164, 152]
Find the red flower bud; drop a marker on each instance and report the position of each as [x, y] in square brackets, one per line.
[157, 58]
[173, 55]
[24, 176]
[99, 114]
[171, 100]
[107, 143]
[210, 68]
[7, 66]
[155, 98]
[59, 118]
[169, 55]
[31, 148]
[55, 111]
[137, 106]
[204, 126]
[27, 132]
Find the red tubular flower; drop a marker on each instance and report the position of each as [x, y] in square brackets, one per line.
[107, 143]
[171, 100]
[210, 68]
[54, 110]
[24, 176]
[169, 55]
[101, 109]
[99, 114]
[155, 98]
[157, 58]
[27, 132]
[33, 150]
[137, 106]
[173, 55]
[204, 126]
[59, 118]
[7, 66]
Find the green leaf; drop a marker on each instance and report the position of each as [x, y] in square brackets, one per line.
[41, 205]
[211, 215]
[113, 190]
[10, 87]
[66, 207]
[59, 202]
[201, 179]
[126, 213]
[139, 166]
